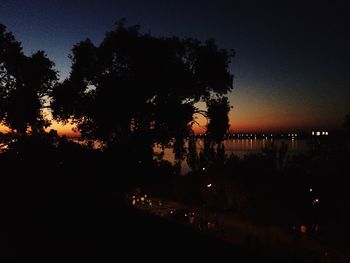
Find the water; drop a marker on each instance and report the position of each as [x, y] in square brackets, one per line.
[242, 147]
[239, 147]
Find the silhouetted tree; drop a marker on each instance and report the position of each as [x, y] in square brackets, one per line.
[25, 86]
[218, 109]
[135, 83]
[193, 159]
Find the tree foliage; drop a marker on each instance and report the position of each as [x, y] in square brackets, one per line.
[218, 109]
[26, 83]
[135, 83]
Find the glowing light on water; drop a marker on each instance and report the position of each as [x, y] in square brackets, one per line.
[303, 229]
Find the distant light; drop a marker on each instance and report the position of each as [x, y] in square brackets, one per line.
[326, 133]
[315, 201]
[313, 133]
[310, 189]
[303, 229]
[209, 185]
[318, 133]
[323, 133]
[203, 168]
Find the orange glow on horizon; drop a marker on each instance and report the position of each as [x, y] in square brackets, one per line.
[236, 126]
[61, 129]
[246, 119]
[66, 129]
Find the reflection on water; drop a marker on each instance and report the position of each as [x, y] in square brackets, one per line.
[242, 147]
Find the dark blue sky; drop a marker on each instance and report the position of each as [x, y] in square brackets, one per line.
[292, 65]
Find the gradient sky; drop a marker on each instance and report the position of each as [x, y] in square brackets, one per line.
[292, 63]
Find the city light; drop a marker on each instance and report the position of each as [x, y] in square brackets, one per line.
[303, 229]
[319, 133]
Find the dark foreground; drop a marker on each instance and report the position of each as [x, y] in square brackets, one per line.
[70, 227]
[67, 204]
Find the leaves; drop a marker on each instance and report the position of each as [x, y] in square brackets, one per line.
[141, 84]
[25, 86]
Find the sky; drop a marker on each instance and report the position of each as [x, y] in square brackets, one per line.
[292, 64]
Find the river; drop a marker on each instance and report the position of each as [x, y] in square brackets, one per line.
[242, 147]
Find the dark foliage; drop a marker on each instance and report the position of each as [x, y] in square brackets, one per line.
[137, 84]
[25, 86]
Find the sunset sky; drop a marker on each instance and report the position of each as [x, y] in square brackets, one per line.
[292, 63]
